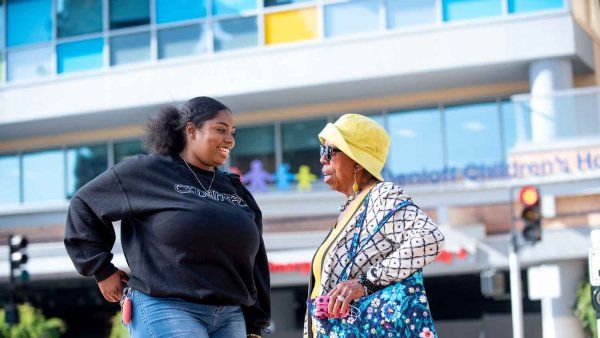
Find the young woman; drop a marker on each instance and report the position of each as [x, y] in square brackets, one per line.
[191, 234]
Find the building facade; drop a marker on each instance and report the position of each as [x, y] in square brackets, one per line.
[479, 96]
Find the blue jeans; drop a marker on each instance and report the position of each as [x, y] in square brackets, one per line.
[175, 317]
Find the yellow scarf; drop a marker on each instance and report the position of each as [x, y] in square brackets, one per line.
[317, 267]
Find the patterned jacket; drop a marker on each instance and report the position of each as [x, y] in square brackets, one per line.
[407, 242]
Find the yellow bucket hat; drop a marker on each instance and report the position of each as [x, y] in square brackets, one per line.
[361, 138]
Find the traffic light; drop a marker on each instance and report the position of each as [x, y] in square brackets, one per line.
[17, 256]
[11, 314]
[531, 214]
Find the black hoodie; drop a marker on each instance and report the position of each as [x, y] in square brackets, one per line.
[179, 240]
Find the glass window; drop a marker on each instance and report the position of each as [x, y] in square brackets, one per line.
[132, 48]
[1, 68]
[509, 126]
[28, 21]
[44, 176]
[178, 10]
[232, 6]
[377, 118]
[29, 64]
[127, 13]
[84, 164]
[78, 17]
[416, 141]
[235, 33]
[469, 9]
[79, 55]
[519, 6]
[282, 2]
[584, 111]
[300, 144]
[560, 116]
[9, 179]
[2, 24]
[517, 116]
[125, 149]
[181, 41]
[254, 143]
[403, 13]
[381, 120]
[473, 134]
[351, 17]
[291, 26]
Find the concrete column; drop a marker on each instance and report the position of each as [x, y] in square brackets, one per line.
[550, 117]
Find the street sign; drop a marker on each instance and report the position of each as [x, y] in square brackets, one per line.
[543, 282]
[594, 265]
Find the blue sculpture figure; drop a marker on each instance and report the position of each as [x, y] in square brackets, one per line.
[283, 177]
[257, 177]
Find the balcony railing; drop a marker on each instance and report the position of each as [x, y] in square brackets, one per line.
[563, 115]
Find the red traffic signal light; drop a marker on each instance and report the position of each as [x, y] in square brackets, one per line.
[529, 196]
[531, 214]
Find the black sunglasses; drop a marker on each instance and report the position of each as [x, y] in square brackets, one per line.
[328, 151]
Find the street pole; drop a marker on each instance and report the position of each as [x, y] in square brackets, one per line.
[594, 272]
[11, 311]
[516, 297]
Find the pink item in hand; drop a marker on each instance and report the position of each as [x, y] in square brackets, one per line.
[322, 308]
[126, 310]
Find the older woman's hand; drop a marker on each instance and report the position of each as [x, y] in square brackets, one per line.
[348, 291]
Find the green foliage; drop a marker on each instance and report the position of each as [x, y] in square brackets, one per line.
[584, 310]
[32, 324]
[118, 329]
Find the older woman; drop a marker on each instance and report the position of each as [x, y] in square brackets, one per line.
[368, 269]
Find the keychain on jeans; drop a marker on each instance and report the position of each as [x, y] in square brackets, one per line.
[126, 305]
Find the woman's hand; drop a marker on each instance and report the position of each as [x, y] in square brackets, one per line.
[112, 287]
[349, 290]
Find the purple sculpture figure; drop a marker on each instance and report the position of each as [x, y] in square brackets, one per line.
[257, 177]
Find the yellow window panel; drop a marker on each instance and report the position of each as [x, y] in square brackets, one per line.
[291, 26]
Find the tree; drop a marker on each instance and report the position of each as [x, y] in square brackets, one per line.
[118, 329]
[32, 324]
[584, 310]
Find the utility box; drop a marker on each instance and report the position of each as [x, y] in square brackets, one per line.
[493, 284]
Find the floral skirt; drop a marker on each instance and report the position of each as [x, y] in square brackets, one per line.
[399, 310]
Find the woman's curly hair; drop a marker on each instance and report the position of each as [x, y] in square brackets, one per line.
[165, 132]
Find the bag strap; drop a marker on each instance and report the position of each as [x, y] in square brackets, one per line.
[353, 254]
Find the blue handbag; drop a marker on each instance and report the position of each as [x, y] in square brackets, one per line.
[398, 310]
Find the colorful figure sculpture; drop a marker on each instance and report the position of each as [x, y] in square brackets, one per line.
[305, 178]
[257, 177]
[283, 177]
